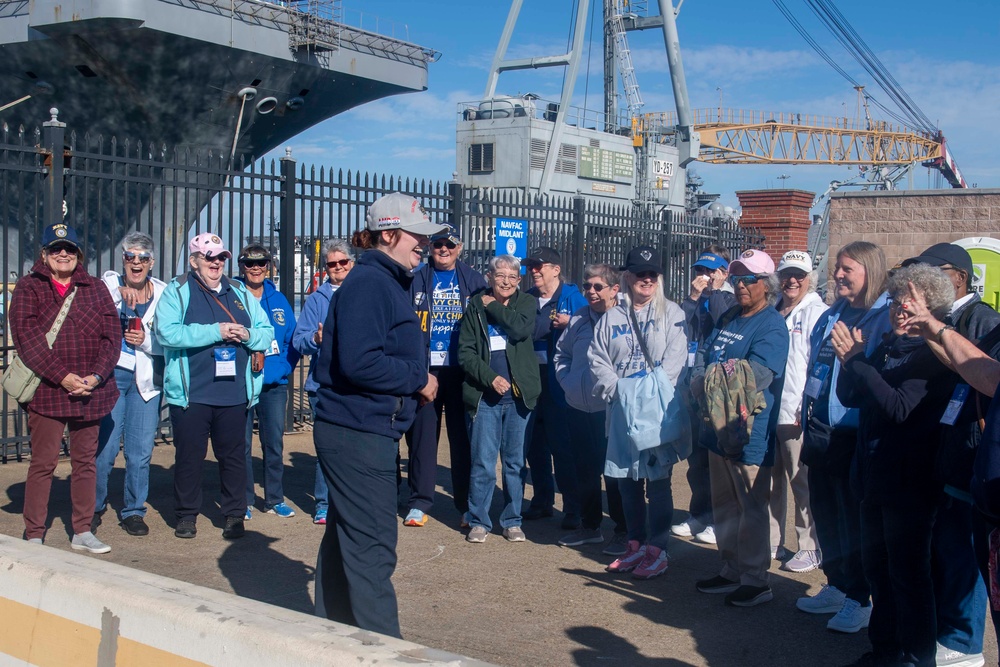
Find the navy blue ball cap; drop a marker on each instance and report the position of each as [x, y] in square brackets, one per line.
[944, 254]
[60, 233]
[449, 233]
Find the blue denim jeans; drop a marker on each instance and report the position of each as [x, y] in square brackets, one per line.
[321, 494]
[137, 420]
[498, 429]
[270, 410]
[659, 511]
[959, 592]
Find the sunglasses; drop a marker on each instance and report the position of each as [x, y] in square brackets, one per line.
[338, 262]
[62, 248]
[445, 244]
[746, 280]
[255, 263]
[647, 275]
[597, 287]
[789, 274]
[142, 257]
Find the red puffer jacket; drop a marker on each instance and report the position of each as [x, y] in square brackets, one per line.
[89, 341]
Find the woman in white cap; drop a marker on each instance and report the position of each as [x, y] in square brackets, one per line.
[210, 328]
[373, 371]
[753, 332]
[801, 307]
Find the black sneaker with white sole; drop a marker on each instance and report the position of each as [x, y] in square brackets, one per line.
[749, 596]
[717, 585]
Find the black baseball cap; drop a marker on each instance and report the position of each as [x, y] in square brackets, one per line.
[944, 254]
[543, 255]
[643, 258]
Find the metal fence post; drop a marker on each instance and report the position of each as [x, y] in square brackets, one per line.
[455, 206]
[579, 234]
[286, 257]
[53, 147]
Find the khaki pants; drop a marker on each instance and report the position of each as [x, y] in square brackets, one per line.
[787, 463]
[740, 495]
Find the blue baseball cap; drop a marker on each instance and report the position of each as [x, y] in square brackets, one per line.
[60, 233]
[711, 261]
[449, 233]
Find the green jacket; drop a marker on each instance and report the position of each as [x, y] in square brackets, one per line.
[518, 319]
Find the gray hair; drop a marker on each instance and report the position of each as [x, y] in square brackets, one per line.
[605, 272]
[932, 282]
[659, 302]
[338, 245]
[772, 285]
[138, 240]
[507, 262]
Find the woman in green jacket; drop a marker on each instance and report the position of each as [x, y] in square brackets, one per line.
[501, 387]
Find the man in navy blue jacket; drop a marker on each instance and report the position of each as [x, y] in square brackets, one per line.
[441, 290]
[549, 448]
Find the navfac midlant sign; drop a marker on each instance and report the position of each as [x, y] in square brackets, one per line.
[512, 237]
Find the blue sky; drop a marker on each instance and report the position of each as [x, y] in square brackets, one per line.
[944, 55]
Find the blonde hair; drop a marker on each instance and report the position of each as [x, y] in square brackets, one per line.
[872, 258]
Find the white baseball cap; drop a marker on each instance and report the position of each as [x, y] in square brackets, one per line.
[399, 211]
[796, 259]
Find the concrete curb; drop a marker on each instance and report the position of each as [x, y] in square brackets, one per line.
[66, 609]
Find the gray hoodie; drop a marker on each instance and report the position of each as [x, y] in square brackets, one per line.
[572, 366]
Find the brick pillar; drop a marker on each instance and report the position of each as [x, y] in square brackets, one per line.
[781, 215]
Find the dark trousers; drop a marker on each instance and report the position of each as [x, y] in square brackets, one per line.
[896, 548]
[959, 592]
[270, 411]
[590, 443]
[423, 437]
[701, 484]
[358, 553]
[46, 441]
[981, 529]
[226, 426]
[837, 515]
[550, 446]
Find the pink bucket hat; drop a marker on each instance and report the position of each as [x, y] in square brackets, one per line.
[209, 245]
[756, 262]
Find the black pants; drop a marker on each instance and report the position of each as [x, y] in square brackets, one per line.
[700, 483]
[548, 447]
[358, 553]
[590, 448]
[896, 547]
[837, 514]
[226, 426]
[422, 443]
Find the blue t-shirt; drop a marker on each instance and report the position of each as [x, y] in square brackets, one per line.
[762, 338]
[446, 314]
[499, 364]
[823, 368]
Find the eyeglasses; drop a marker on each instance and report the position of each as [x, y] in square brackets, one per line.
[62, 248]
[792, 273]
[444, 243]
[507, 279]
[597, 287]
[647, 275]
[746, 280]
[141, 257]
[897, 305]
[535, 266]
[255, 263]
[338, 262]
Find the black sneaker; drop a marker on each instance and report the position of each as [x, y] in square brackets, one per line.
[749, 596]
[134, 525]
[234, 529]
[717, 585]
[185, 529]
[533, 513]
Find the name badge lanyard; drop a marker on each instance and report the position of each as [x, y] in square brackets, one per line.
[225, 363]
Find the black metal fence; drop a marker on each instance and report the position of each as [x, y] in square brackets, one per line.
[109, 187]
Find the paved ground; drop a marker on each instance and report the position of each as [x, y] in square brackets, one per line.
[533, 603]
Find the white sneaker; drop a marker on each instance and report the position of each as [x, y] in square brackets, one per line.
[706, 536]
[687, 528]
[851, 617]
[89, 542]
[829, 600]
[803, 561]
[952, 658]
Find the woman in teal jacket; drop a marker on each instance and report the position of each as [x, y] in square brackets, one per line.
[209, 327]
[500, 390]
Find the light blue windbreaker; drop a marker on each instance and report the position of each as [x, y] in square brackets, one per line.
[176, 338]
[874, 324]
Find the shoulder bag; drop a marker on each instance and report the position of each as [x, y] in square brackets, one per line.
[19, 381]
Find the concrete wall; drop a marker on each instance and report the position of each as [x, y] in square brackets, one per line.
[906, 222]
[60, 609]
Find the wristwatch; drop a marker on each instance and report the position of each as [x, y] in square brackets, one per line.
[941, 331]
[100, 378]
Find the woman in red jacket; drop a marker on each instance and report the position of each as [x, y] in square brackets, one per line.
[77, 377]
